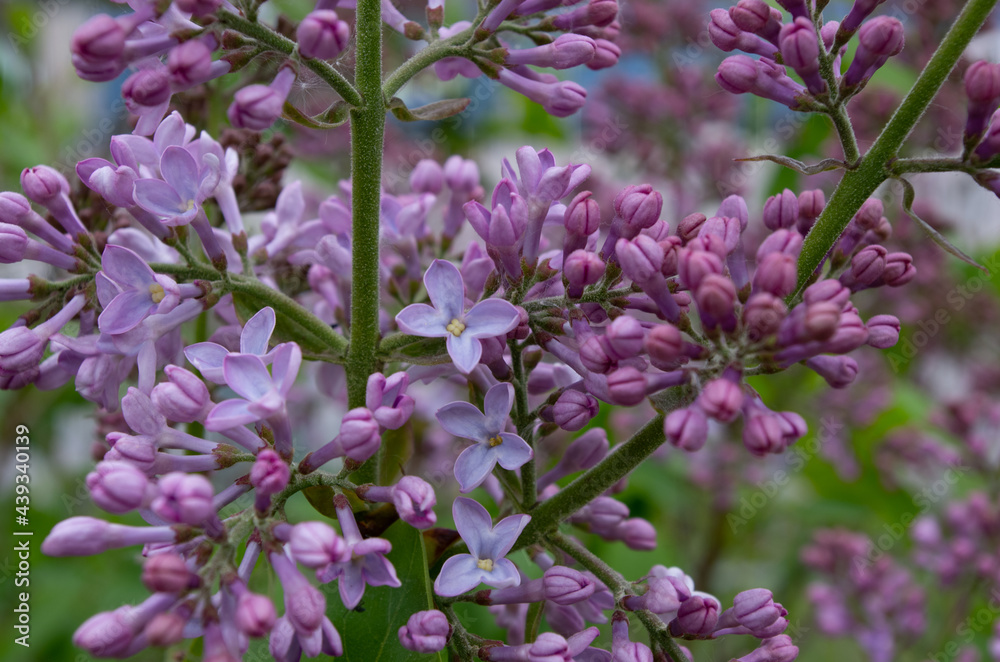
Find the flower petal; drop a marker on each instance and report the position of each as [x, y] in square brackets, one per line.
[490, 318]
[503, 575]
[126, 268]
[497, 405]
[179, 169]
[463, 419]
[458, 575]
[514, 452]
[473, 523]
[420, 319]
[158, 198]
[125, 312]
[504, 535]
[285, 366]
[257, 332]
[473, 465]
[378, 571]
[444, 286]
[465, 351]
[247, 375]
[207, 357]
[351, 585]
[229, 414]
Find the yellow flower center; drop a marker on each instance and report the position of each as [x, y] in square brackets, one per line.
[455, 327]
[494, 441]
[156, 292]
[485, 564]
[189, 206]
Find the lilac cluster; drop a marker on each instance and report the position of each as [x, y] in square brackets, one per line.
[982, 127]
[811, 48]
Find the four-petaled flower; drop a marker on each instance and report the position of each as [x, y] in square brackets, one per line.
[488, 545]
[262, 394]
[365, 564]
[130, 291]
[185, 185]
[208, 357]
[447, 317]
[463, 419]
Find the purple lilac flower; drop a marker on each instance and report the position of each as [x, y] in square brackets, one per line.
[488, 545]
[208, 357]
[464, 419]
[447, 317]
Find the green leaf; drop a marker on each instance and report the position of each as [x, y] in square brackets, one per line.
[372, 635]
[285, 329]
[438, 110]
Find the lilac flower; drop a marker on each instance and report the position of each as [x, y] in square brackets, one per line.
[447, 318]
[208, 357]
[185, 185]
[463, 419]
[141, 292]
[387, 399]
[366, 562]
[488, 545]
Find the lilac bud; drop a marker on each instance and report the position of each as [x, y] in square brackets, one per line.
[255, 615]
[741, 74]
[716, 299]
[42, 183]
[315, 544]
[119, 487]
[800, 51]
[425, 632]
[774, 649]
[147, 87]
[690, 226]
[822, 320]
[859, 12]
[755, 609]
[686, 428]
[664, 344]
[637, 534]
[583, 215]
[728, 36]
[165, 629]
[198, 7]
[878, 40]
[982, 86]
[270, 474]
[184, 499]
[98, 47]
[83, 536]
[107, 634]
[721, 399]
[811, 204]
[781, 211]
[322, 35]
[868, 216]
[762, 315]
[990, 146]
[623, 338]
[763, 433]
[596, 12]
[641, 258]
[883, 331]
[626, 386]
[899, 269]
[607, 55]
[582, 268]
[574, 409]
[565, 586]
[866, 267]
[694, 266]
[605, 513]
[189, 63]
[184, 398]
[776, 275]
[780, 241]
[567, 51]
[828, 290]
[594, 355]
[167, 573]
[757, 17]
[638, 207]
[697, 615]
[838, 371]
[661, 597]
[359, 434]
[560, 99]
[414, 500]
[427, 177]
[257, 107]
[584, 453]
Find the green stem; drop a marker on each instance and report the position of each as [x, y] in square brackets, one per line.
[903, 166]
[367, 135]
[845, 131]
[524, 423]
[547, 515]
[858, 184]
[424, 58]
[282, 44]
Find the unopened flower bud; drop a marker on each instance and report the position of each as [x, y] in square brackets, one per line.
[184, 499]
[811, 204]
[167, 573]
[255, 614]
[257, 107]
[270, 473]
[415, 500]
[183, 398]
[721, 399]
[582, 268]
[781, 211]
[425, 632]
[838, 371]
[697, 615]
[565, 586]
[315, 544]
[686, 428]
[322, 35]
[883, 331]
[627, 386]
[359, 434]
[427, 177]
[762, 315]
[574, 409]
[594, 355]
[119, 487]
[775, 275]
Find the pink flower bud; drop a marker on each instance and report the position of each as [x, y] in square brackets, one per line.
[315, 545]
[165, 629]
[582, 268]
[255, 615]
[838, 371]
[664, 344]
[623, 338]
[811, 204]
[107, 634]
[763, 314]
[425, 632]
[686, 428]
[800, 51]
[607, 55]
[147, 87]
[119, 487]
[414, 500]
[257, 107]
[899, 269]
[866, 267]
[322, 35]
[822, 320]
[594, 355]
[583, 215]
[168, 573]
[184, 499]
[697, 615]
[828, 290]
[427, 177]
[637, 534]
[763, 433]
[883, 331]
[776, 275]
[574, 409]
[781, 211]
[627, 386]
[42, 183]
[184, 398]
[359, 434]
[694, 265]
[721, 399]
[565, 586]
[270, 474]
[190, 63]
[638, 207]
[690, 226]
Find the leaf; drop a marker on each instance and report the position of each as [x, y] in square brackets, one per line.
[285, 329]
[372, 635]
[397, 448]
[333, 117]
[426, 351]
[438, 110]
[320, 497]
[908, 196]
[799, 166]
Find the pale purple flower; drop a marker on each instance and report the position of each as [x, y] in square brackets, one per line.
[464, 419]
[208, 357]
[185, 185]
[488, 545]
[141, 292]
[366, 562]
[387, 399]
[447, 317]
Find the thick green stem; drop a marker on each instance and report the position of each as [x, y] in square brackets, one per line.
[845, 131]
[282, 44]
[860, 183]
[548, 514]
[367, 132]
[903, 166]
